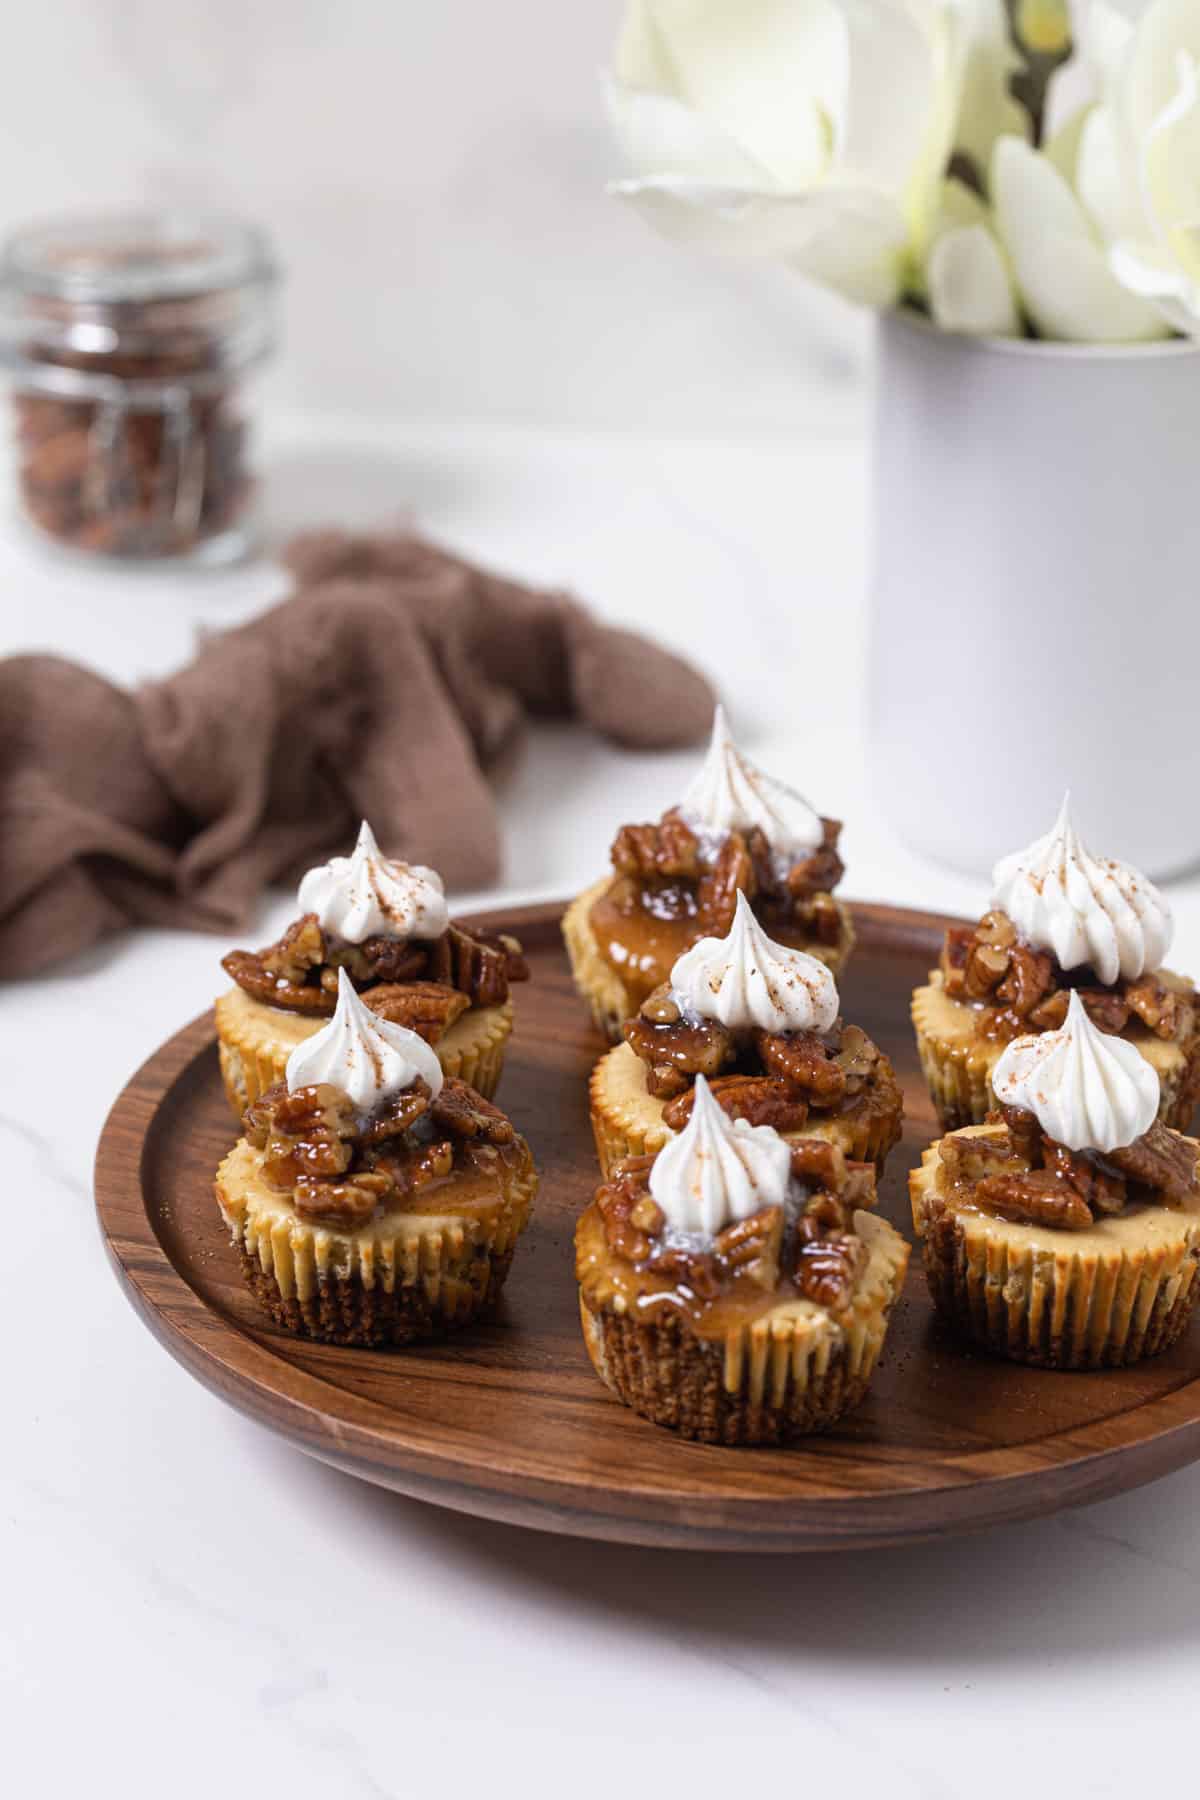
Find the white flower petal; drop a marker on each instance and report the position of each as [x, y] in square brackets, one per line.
[1102, 178]
[753, 67]
[1155, 274]
[970, 289]
[657, 133]
[1062, 148]
[641, 60]
[846, 239]
[890, 94]
[1061, 274]
[1149, 80]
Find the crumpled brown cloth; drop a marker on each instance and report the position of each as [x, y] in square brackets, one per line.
[384, 688]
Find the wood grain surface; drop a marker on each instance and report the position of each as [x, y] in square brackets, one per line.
[509, 1421]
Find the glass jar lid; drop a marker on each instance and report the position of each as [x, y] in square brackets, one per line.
[144, 295]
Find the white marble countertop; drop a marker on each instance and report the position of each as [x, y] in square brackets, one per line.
[189, 1606]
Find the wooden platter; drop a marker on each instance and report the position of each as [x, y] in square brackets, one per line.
[509, 1421]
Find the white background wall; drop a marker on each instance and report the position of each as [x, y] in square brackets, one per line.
[433, 173]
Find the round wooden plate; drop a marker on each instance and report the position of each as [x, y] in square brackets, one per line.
[509, 1420]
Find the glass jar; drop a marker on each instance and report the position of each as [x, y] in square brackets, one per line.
[130, 340]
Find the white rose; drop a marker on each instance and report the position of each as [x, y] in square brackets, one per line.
[1139, 161]
[812, 132]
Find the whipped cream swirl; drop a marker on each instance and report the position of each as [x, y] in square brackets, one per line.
[746, 980]
[366, 894]
[369, 1058]
[718, 1169]
[1084, 908]
[1086, 1090]
[728, 793]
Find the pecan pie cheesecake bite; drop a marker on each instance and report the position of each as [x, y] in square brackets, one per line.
[374, 1199]
[1061, 921]
[735, 830]
[761, 1022]
[1066, 1230]
[734, 1288]
[386, 924]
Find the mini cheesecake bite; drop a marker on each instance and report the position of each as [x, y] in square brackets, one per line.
[736, 830]
[1061, 921]
[760, 1021]
[373, 1200]
[735, 1288]
[1065, 1231]
[386, 924]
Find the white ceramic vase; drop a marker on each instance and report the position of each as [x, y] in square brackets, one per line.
[1036, 594]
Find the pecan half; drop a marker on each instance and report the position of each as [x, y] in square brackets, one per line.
[311, 1134]
[462, 1112]
[818, 1163]
[667, 850]
[800, 1058]
[716, 897]
[285, 973]
[345, 1203]
[1159, 1007]
[827, 1269]
[1162, 1160]
[397, 1115]
[686, 1049]
[426, 1007]
[1034, 1197]
[761, 1099]
[476, 968]
[376, 959]
[1100, 1187]
[750, 1247]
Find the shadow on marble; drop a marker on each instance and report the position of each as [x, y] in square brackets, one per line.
[1121, 1576]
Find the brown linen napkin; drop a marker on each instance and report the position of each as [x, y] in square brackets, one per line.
[384, 688]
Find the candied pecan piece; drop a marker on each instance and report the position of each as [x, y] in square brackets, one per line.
[731, 874]
[506, 945]
[1099, 1186]
[858, 1057]
[256, 1120]
[1107, 1011]
[475, 968]
[956, 947]
[651, 852]
[282, 974]
[410, 1166]
[694, 1269]
[818, 1163]
[397, 1115]
[426, 1007]
[380, 959]
[827, 1269]
[1049, 1014]
[824, 1213]
[820, 872]
[301, 948]
[1034, 1197]
[1029, 979]
[1024, 1130]
[1156, 1005]
[750, 1247]
[970, 1158]
[702, 1048]
[343, 1203]
[312, 1133]
[1161, 1160]
[462, 1112]
[761, 1099]
[800, 1058]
